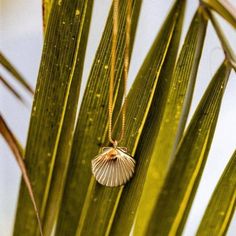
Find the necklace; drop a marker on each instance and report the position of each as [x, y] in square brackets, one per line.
[114, 166]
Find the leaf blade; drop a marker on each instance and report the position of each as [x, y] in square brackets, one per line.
[224, 8]
[92, 121]
[18, 154]
[189, 162]
[229, 53]
[12, 90]
[9, 67]
[54, 194]
[103, 201]
[221, 207]
[160, 142]
[59, 58]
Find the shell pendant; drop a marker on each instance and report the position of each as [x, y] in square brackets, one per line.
[113, 167]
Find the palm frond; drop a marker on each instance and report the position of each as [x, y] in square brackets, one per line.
[62, 155]
[90, 131]
[224, 8]
[63, 140]
[163, 130]
[18, 154]
[9, 67]
[153, 71]
[185, 172]
[221, 207]
[229, 53]
[58, 64]
[12, 90]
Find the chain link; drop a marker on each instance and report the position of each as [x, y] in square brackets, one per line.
[126, 68]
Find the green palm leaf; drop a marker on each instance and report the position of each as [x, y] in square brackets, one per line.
[224, 8]
[90, 131]
[58, 65]
[16, 74]
[169, 160]
[159, 136]
[18, 154]
[101, 203]
[12, 90]
[184, 175]
[221, 207]
[52, 204]
[229, 53]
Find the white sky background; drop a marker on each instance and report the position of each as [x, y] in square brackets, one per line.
[21, 42]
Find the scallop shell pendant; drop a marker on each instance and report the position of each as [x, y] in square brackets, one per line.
[113, 167]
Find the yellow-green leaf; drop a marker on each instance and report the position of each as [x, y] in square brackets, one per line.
[12, 90]
[58, 65]
[229, 53]
[160, 133]
[91, 126]
[18, 154]
[101, 202]
[8, 66]
[175, 199]
[53, 196]
[224, 8]
[222, 204]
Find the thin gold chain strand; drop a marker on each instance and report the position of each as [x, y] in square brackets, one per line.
[126, 68]
[113, 61]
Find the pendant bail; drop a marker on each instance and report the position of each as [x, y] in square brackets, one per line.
[115, 144]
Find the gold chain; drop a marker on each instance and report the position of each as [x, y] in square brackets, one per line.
[126, 67]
